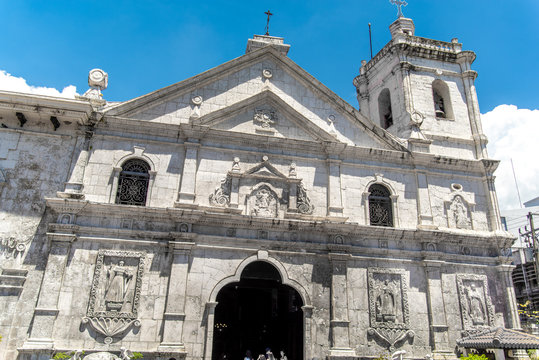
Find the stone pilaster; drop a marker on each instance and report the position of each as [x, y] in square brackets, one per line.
[210, 309]
[47, 310]
[74, 186]
[335, 207]
[495, 222]
[307, 323]
[436, 308]
[513, 320]
[423, 201]
[340, 335]
[187, 195]
[174, 316]
[465, 59]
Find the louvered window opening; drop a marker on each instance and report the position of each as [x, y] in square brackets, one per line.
[133, 183]
[380, 211]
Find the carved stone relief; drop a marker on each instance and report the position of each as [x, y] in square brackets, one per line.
[11, 247]
[459, 211]
[388, 306]
[221, 194]
[303, 201]
[475, 305]
[263, 202]
[270, 192]
[265, 119]
[115, 292]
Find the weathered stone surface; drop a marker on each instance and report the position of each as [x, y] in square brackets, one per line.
[253, 162]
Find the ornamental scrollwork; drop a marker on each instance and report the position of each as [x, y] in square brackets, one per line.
[304, 203]
[388, 306]
[221, 194]
[11, 248]
[115, 292]
[475, 304]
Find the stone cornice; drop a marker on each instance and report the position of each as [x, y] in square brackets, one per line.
[421, 47]
[208, 218]
[73, 109]
[216, 138]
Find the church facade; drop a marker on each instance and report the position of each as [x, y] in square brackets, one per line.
[249, 207]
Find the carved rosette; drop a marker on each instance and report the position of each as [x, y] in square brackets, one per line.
[475, 305]
[115, 292]
[221, 194]
[389, 311]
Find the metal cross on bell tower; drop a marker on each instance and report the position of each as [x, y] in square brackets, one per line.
[267, 21]
[399, 4]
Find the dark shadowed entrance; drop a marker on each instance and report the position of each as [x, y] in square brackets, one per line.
[256, 313]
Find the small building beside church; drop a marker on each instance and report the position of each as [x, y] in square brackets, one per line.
[249, 207]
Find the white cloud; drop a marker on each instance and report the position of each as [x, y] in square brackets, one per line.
[9, 82]
[512, 134]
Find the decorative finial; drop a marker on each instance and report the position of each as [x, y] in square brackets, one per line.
[267, 21]
[399, 4]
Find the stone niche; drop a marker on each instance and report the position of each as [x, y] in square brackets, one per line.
[115, 292]
[262, 191]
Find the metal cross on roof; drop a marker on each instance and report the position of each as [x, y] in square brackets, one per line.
[267, 21]
[399, 4]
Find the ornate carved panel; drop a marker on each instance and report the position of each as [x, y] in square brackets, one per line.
[265, 119]
[458, 213]
[263, 202]
[270, 193]
[115, 292]
[475, 305]
[388, 305]
[221, 194]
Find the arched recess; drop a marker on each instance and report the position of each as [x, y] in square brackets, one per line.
[379, 179]
[384, 109]
[228, 301]
[261, 256]
[441, 100]
[138, 153]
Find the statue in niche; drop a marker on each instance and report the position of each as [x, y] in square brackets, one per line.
[460, 213]
[476, 310]
[385, 303]
[263, 203]
[119, 278]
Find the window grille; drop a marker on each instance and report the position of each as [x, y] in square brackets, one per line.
[380, 209]
[133, 183]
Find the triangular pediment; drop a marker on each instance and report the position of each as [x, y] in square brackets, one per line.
[261, 78]
[265, 170]
[265, 114]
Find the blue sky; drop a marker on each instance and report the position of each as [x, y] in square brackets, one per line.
[146, 45]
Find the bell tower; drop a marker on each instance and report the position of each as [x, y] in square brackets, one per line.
[422, 91]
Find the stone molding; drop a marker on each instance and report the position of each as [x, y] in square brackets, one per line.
[111, 322]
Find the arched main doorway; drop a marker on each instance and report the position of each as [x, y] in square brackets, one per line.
[258, 312]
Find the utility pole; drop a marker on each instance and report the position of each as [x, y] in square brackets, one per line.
[535, 245]
[531, 237]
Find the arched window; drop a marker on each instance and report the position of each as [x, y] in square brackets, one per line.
[380, 209]
[441, 99]
[384, 109]
[133, 183]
